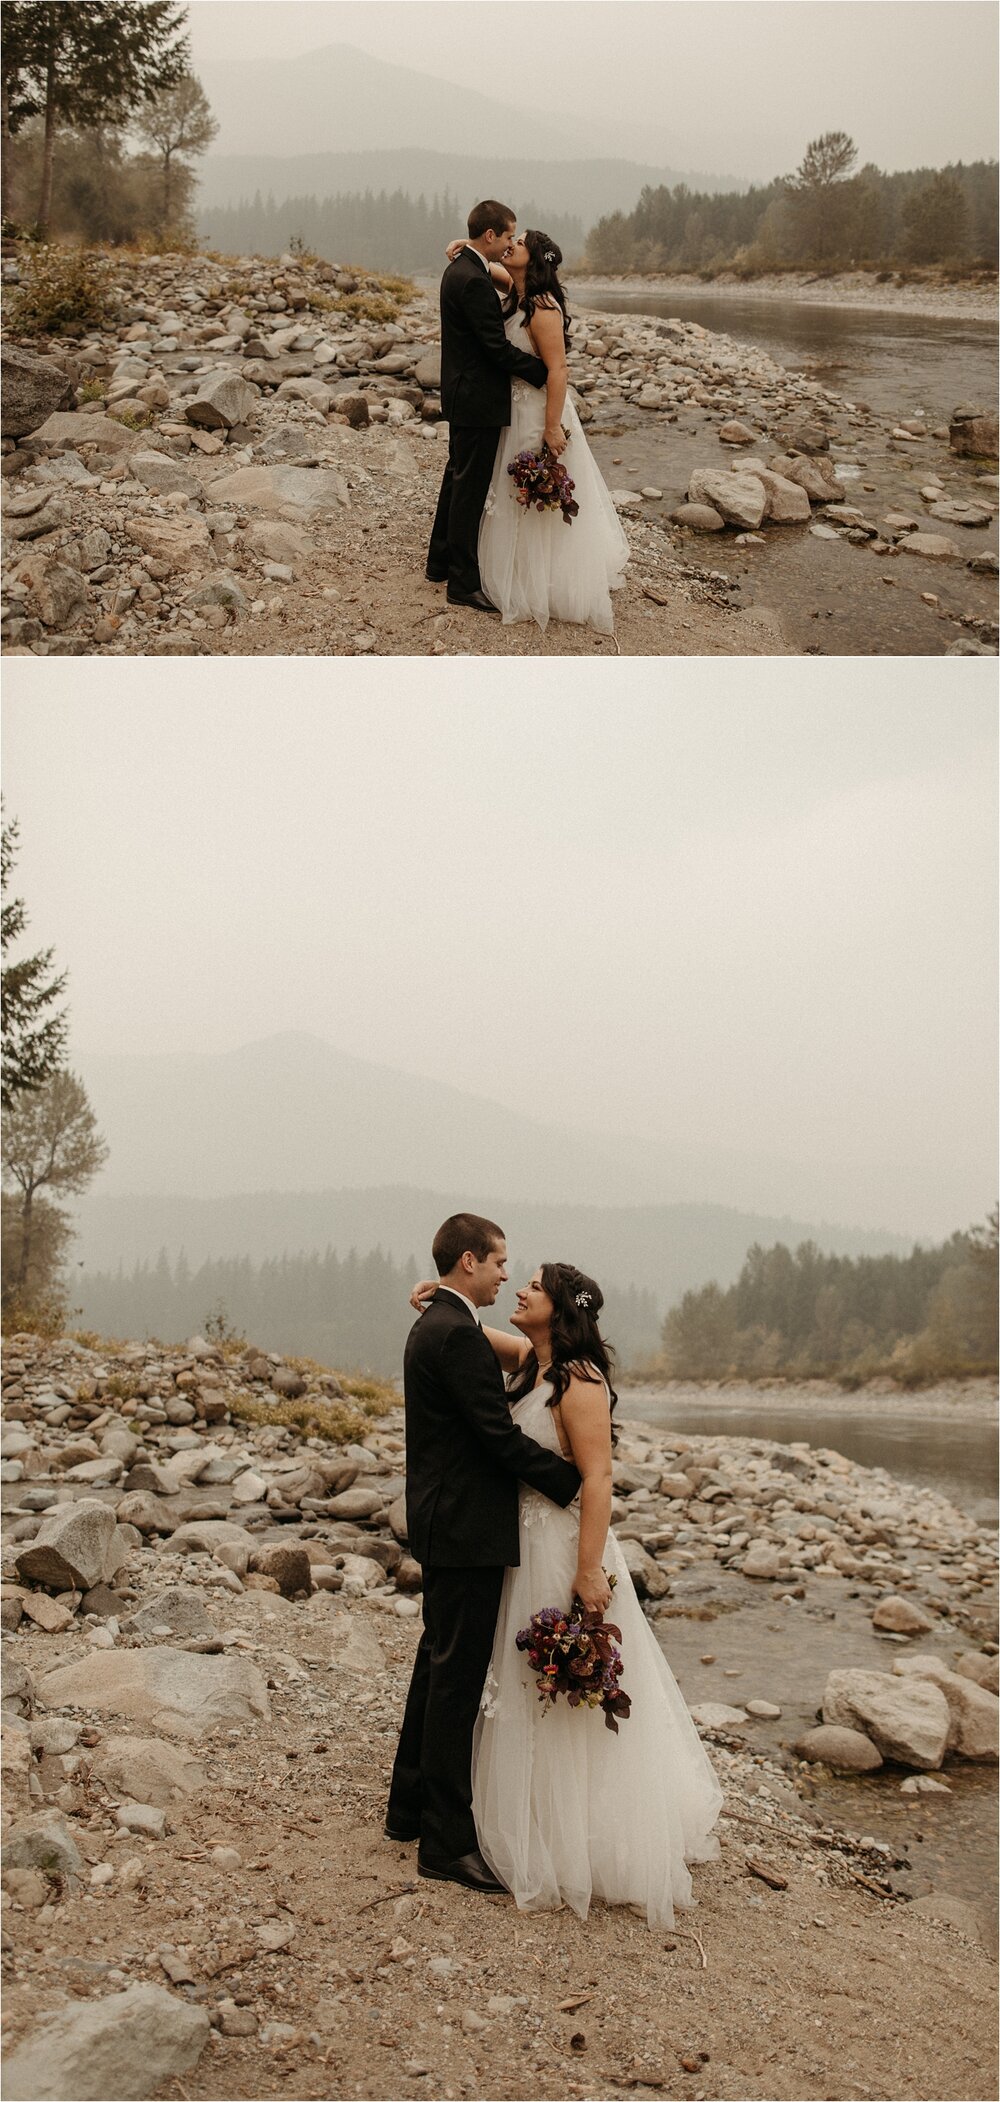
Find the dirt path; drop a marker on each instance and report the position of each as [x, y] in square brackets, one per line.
[370, 597]
[392, 1987]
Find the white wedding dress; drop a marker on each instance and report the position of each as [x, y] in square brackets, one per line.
[565, 1810]
[533, 565]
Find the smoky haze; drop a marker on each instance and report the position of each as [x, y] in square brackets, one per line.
[733, 90]
[725, 944]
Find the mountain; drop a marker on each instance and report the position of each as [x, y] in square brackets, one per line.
[584, 189]
[342, 99]
[291, 1112]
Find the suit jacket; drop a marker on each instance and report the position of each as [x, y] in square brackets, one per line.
[477, 362]
[464, 1456]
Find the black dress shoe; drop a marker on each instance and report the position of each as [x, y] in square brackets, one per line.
[477, 599]
[403, 1833]
[470, 1870]
[436, 576]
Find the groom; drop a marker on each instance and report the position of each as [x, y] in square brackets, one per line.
[477, 364]
[464, 1458]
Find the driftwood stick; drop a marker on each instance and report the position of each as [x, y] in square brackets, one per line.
[402, 1890]
[688, 1934]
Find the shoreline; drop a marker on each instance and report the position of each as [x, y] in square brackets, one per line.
[858, 289]
[956, 1401]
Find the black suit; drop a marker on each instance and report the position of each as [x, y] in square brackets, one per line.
[477, 364]
[464, 1458]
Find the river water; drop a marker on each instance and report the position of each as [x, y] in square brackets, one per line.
[955, 1453]
[900, 365]
[832, 599]
[730, 1641]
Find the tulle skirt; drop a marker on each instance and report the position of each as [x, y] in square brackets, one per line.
[533, 565]
[565, 1810]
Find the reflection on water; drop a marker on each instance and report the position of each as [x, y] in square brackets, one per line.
[899, 364]
[957, 1458]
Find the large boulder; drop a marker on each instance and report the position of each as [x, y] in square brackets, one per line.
[164, 475]
[166, 1689]
[975, 1664]
[127, 2045]
[849, 1750]
[934, 547]
[71, 1548]
[33, 388]
[974, 433]
[649, 1579]
[900, 1616]
[741, 499]
[974, 1712]
[223, 399]
[179, 1610]
[275, 489]
[907, 1720]
[183, 543]
[787, 501]
[45, 1843]
[816, 477]
[79, 429]
[203, 1536]
[148, 1769]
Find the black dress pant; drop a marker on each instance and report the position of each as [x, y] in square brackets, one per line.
[453, 550]
[432, 1776]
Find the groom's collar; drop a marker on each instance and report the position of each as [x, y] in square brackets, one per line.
[460, 1296]
[469, 250]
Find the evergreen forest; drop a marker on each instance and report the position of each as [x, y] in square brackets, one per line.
[799, 1315]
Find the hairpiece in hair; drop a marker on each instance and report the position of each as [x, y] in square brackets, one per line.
[549, 255]
[582, 1299]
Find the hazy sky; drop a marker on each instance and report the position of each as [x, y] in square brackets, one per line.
[726, 86]
[736, 902]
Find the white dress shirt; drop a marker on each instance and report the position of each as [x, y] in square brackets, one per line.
[474, 1310]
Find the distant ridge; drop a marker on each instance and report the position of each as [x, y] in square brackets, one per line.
[666, 1249]
[344, 100]
[584, 189]
[293, 1112]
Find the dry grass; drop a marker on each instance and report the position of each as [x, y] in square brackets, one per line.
[314, 1416]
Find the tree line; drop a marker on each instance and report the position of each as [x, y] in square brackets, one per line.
[350, 1311]
[828, 215]
[802, 1314]
[386, 230]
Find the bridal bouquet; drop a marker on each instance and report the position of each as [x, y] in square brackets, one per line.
[542, 483]
[574, 1653]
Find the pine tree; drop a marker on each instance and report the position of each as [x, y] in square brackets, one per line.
[88, 63]
[33, 1031]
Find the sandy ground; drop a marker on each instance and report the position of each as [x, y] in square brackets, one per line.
[668, 607]
[858, 288]
[393, 1987]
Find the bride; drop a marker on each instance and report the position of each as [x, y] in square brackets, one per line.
[565, 1810]
[533, 565]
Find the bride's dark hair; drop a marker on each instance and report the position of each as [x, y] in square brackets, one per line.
[578, 1347]
[541, 284]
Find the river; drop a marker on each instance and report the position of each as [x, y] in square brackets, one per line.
[953, 1449]
[831, 599]
[901, 365]
[727, 1641]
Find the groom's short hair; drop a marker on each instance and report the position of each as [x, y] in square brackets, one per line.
[464, 1230]
[490, 217]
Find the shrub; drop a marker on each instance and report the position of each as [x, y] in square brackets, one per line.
[65, 292]
[313, 1416]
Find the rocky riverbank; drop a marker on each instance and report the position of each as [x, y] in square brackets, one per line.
[240, 466]
[209, 1619]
